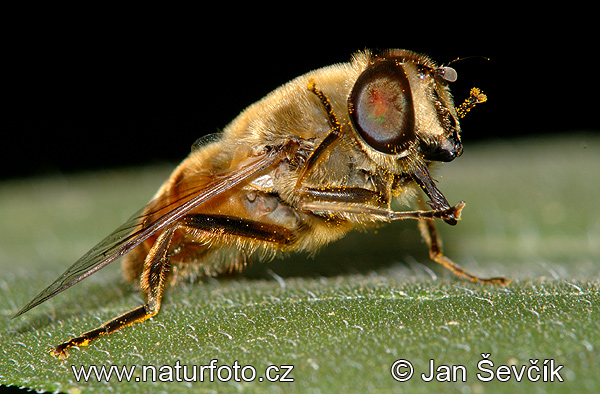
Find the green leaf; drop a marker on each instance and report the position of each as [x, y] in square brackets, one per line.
[342, 318]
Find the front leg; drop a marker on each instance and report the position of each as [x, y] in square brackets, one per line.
[335, 133]
[365, 213]
[326, 196]
[430, 235]
[437, 201]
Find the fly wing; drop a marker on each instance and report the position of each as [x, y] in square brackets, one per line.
[136, 230]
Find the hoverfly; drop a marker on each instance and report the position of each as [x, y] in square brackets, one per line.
[321, 155]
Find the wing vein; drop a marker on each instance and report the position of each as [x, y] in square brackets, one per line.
[135, 231]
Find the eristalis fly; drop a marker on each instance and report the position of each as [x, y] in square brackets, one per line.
[321, 155]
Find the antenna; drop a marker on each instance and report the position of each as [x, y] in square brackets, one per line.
[476, 96]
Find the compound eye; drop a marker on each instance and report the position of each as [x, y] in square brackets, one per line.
[381, 108]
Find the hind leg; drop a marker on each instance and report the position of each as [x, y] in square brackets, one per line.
[153, 280]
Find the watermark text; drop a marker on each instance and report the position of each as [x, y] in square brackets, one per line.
[211, 372]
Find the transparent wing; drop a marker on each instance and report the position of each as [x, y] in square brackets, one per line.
[136, 230]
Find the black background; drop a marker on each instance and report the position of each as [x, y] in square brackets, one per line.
[87, 95]
[87, 89]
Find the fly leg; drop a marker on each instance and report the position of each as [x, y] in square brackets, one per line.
[154, 278]
[430, 235]
[438, 201]
[157, 269]
[426, 224]
[365, 213]
[335, 133]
